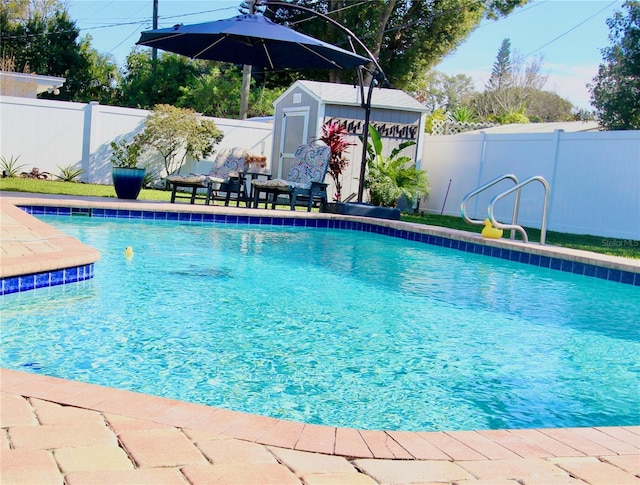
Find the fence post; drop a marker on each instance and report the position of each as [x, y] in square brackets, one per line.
[556, 149]
[90, 122]
[483, 145]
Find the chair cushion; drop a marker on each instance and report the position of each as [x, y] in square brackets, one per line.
[279, 184]
[271, 183]
[192, 178]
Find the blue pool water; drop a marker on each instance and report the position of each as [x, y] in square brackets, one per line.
[334, 327]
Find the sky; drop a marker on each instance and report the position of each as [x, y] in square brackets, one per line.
[568, 34]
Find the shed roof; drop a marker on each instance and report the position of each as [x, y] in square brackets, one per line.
[349, 95]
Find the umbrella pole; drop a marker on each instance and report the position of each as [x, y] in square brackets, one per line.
[378, 76]
[366, 104]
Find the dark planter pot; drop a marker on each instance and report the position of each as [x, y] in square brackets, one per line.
[127, 181]
[362, 209]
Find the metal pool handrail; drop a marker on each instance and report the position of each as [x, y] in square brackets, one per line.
[514, 226]
[491, 183]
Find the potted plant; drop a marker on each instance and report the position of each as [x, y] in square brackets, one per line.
[127, 177]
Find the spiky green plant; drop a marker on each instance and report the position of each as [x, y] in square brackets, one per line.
[69, 173]
[390, 178]
[463, 114]
[10, 167]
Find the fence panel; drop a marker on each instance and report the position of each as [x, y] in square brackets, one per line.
[594, 178]
[51, 134]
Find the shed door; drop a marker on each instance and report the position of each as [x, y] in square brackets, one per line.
[295, 128]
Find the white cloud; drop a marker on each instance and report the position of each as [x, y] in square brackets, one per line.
[570, 82]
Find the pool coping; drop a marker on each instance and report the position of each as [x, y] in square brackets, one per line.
[328, 440]
[488, 445]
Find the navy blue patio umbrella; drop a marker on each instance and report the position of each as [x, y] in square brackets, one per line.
[251, 39]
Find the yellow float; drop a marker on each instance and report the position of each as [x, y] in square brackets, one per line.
[128, 252]
[489, 231]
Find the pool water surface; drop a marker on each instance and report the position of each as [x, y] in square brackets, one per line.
[333, 327]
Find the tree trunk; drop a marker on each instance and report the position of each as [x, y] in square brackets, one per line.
[385, 15]
[244, 95]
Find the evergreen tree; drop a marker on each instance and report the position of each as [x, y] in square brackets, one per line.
[502, 73]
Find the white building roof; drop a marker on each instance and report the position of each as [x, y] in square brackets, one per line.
[349, 95]
[28, 85]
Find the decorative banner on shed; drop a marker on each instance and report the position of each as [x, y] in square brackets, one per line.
[386, 130]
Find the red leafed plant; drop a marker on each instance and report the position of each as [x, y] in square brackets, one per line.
[334, 135]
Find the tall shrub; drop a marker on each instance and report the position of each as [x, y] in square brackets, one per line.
[334, 136]
[178, 132]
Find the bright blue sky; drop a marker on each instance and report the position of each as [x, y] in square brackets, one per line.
[569, 34]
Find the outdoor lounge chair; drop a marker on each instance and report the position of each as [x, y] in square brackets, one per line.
[304, 182]
[227, 176]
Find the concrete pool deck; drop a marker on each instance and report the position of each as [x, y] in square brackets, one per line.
[60, 431]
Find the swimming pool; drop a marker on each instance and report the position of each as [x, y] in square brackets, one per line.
[334, 327]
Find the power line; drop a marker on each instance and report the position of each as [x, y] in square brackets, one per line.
[572, 28]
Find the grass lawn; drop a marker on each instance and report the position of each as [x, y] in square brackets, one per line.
[597, 244]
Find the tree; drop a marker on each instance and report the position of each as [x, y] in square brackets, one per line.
[437, 90]
[103, 77]
[545, 106]
[214, 93]
[615, 92]
[39, 37]
[510, 86]
[146, 84]
[502, 72]
[217, 93]
[178, 132]
[407, 36]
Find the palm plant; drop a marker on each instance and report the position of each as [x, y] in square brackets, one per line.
[390, 178]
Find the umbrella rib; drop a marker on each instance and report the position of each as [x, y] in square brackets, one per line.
[330, 61]
[210, 46]
[266, 52]
[160, 38]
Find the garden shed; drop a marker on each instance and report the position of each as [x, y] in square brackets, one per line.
[305, 106]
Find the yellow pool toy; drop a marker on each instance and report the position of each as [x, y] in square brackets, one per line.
[128, 252]
[489, 231]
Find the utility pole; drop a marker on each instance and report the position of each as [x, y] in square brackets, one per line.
[246, 73]
[154, 51]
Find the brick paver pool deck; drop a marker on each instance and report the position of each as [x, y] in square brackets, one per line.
[55, 431]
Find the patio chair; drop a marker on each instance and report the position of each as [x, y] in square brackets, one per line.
[227, 176]
[304, 182]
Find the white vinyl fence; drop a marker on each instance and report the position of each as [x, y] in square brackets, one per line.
[594, 176]
[51, 135]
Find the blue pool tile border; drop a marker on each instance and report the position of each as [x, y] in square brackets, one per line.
[33, 281]
[576, 267]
